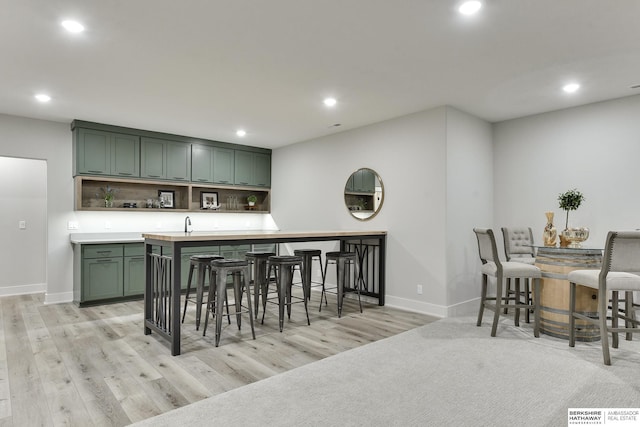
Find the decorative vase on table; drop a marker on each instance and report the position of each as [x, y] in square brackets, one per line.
[550, 233]
[575, 236]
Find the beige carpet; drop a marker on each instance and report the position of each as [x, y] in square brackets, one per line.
[449, 372]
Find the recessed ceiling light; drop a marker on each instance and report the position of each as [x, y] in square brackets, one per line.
[72, 26]
[241, 133]
[330, 102]
[470, 7]
[571, 87]
[43, 97]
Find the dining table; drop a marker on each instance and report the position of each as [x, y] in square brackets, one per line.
[163, 251]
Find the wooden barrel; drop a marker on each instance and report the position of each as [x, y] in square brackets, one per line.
[556, 263]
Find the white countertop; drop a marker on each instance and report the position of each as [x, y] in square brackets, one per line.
[98, 238]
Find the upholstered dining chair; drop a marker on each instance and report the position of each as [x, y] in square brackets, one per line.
[620, 272]
[518, 247]
[503, 271]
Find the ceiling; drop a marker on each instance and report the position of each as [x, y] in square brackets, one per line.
[206, 68]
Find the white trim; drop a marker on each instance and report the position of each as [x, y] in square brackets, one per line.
[417, 306]
[35, 288]
[460, 309]
[58, 298]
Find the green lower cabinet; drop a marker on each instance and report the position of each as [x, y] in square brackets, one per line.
[108, 272]
[102, 278]
[116, 271]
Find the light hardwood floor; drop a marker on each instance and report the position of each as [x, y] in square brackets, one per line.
[64, 365]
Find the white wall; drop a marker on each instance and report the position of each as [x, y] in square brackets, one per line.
[469, 205]
[594, 148]
[23, 197]
[410, 155]
[38, 139]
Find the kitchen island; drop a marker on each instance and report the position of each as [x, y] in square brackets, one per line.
[163, 271]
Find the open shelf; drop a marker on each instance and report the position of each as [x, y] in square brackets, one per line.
[143, 195]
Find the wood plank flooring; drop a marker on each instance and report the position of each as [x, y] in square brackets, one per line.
[64, 365]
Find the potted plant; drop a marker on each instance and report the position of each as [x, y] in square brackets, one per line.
[108, 194]
[252, 199]
[570, 201]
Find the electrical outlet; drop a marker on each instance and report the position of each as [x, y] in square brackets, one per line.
[22, 224]
[419, 289]
[72, 225]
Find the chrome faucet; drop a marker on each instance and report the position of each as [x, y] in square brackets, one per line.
[187, 225]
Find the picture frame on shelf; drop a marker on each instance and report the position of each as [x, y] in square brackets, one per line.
[209, 200]
[167, 198]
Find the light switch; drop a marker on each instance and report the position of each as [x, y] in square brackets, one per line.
[72, 225]
[22, 225]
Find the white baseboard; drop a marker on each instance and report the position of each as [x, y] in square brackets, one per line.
[58, 298]
[461, 309]
[417, 306]
[35, 288]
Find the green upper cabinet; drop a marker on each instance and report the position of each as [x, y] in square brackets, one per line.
[107, 153]
[201, 163]
[223, 165]
[107, 150]
[252, 169]
[211, 164]
[364, 181]
[161, 159]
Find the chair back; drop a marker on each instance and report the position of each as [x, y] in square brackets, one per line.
[487, 246]
[518, 242]
[621, 252]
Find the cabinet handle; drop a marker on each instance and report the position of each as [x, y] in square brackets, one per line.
[136, 258]
[96, 171]
[125, 173]
[178, 178]
[223, 182]
[105, 260]
[244, 183]
[103, 252]
[153, 176]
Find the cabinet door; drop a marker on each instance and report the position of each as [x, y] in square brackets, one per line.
[202, 163]
[364, 181]
[134, 275]
[243, 174]
[94, 152]
[125, 155]
[102, 278]
[262, 170]
[178, 161]
[223, 165]
[153, 158]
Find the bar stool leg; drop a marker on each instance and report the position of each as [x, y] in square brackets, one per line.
[248, 286]
[283, 283]
[221, 296]
[199, 292]
[341, 272]
[186, 300]
[237, 293]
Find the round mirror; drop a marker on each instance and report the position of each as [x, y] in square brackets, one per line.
[364, 194]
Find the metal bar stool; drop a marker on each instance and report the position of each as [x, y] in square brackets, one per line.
[283, 266]
[203, 264]
[308, 255]
[239, 269]
[258, 262]
[343, 261]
